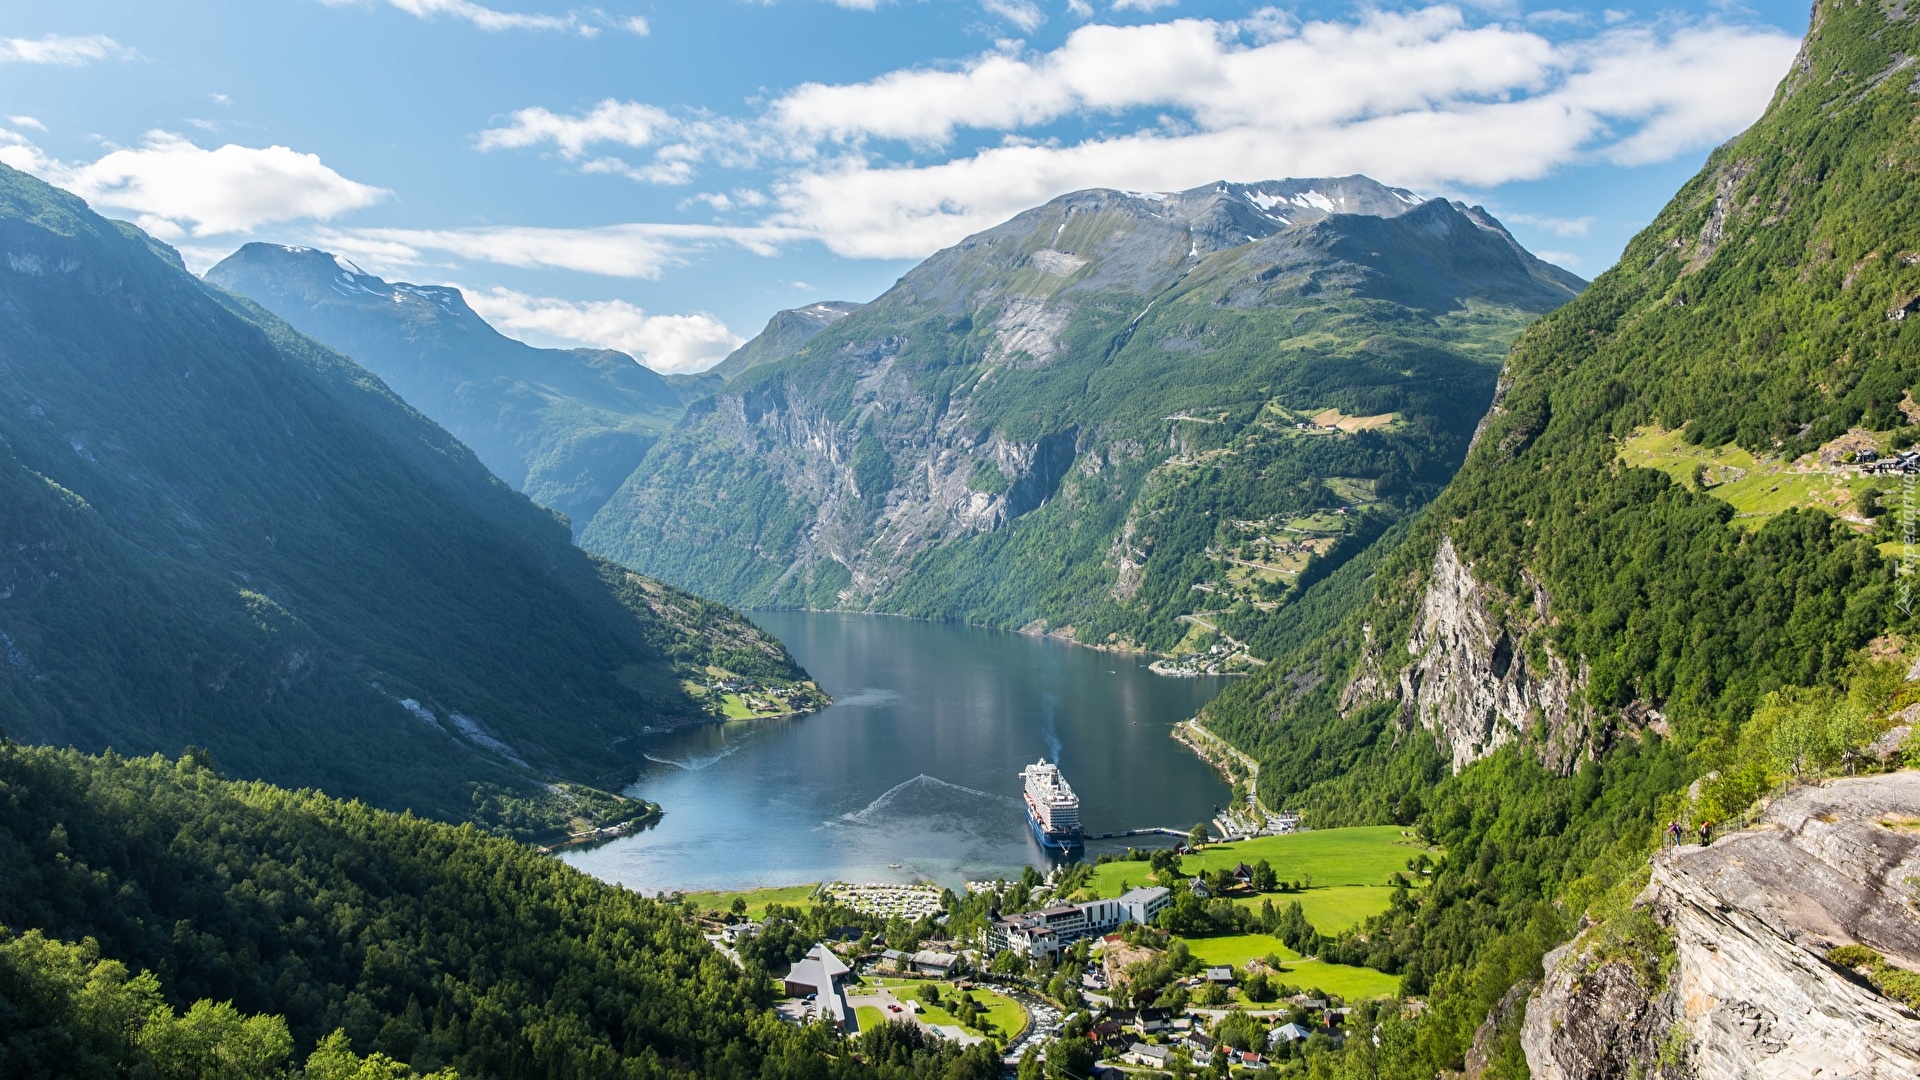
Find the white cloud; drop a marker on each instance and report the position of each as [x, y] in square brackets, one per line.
[1566, 259]
[175, 188]
[1024, 14]
[1421, 98]
[1142, 5]
[64, 51]
[679, 143]
[26, 122]
[624, 122]
[666, 343]
[637, 251]
[586, 23]
[1427, 98]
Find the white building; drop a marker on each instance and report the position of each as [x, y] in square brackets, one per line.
[1047, 931]
[1143, 903]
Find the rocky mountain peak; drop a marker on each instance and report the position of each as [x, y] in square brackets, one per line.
[565, 426]
[1104, 241]
[313, 277]
[784, 334]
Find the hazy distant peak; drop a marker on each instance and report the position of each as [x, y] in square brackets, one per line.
[784, 334]
[311, 274]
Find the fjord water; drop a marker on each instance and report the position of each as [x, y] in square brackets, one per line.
[915, 764]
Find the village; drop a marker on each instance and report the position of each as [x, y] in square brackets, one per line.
[1135, 977]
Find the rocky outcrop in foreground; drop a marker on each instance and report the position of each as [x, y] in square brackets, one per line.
[1752, 917]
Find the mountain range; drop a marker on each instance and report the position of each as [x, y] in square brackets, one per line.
[1136, 419]
[565, 426]
[221, 533]
[1550, 575]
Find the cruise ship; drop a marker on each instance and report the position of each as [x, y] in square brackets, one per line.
[1052, 808]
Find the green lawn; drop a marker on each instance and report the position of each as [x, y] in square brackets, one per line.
[1352, 983]
[1757, 488]
[1348, 982]
[869, 1017]
[1365, 855]
[757, 899]
[1331, 909]
[1007, 1016]
[1234, 950]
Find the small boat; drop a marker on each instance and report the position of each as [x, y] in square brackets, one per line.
[893, 866]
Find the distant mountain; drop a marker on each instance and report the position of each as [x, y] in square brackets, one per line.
[783, 336]
[1136, 417]
[219, 532]
[565, 426]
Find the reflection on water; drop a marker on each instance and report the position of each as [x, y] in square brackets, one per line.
[916, 763]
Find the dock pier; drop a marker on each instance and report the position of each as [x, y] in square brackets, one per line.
[1182, 833]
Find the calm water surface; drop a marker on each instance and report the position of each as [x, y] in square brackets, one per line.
[916, 763]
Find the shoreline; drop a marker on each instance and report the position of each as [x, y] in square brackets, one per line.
[1024, 631]
[1222, 756]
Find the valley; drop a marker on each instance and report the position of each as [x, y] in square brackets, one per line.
[1115, 418]
[1439, 666]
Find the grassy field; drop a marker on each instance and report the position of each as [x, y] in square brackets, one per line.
[1365, 855]
[1005, 1014]
[1330, 909]
[869, 1017]
[1348, 982]
[1352, 983]
[1234, 950]
[757, 899]
[1756, 488]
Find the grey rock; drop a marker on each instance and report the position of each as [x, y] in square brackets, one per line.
[1471, 682]
[1752, 917]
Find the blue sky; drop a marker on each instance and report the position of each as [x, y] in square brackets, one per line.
[662, 176]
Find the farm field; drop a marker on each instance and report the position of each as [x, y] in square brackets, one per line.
[1756, 488]
[1348, 982]
[757, 899]
[1330, 909]
[1364, 855]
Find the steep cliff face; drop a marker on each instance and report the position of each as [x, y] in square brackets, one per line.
[1110, 412]
[1594, 515]
[1469, 677]
[1752, 918]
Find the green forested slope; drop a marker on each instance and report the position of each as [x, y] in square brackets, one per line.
[1766, 305]
[564, 426]
[218, 532]
[1111, 412]
[436, 945]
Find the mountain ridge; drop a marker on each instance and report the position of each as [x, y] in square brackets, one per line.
[784, 333]
[222, 533]
[565, 426]
[1092, 344]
